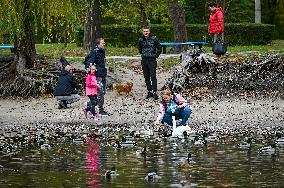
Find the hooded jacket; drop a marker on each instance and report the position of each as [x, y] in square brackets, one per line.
[216, 24]
[91, 84]
[66, 84]
[97, 57]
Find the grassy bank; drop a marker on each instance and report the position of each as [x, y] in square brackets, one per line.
[57, 50]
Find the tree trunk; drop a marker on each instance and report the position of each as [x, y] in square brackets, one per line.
[257, 6]
[92, 28]
[179, 24]
[143, 15]
[26, 48]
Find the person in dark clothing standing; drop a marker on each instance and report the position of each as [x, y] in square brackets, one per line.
[97, 57]
[150, 49]
[66, 88]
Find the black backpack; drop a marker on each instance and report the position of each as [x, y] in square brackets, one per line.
[87, 66]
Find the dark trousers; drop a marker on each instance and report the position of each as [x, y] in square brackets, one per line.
[101, 92]
[149, 71]
[91, 105]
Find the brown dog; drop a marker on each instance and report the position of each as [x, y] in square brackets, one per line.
[123, 87]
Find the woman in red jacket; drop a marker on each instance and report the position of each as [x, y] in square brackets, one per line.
[216, 22]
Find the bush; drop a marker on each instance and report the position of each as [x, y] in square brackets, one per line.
[235, 34]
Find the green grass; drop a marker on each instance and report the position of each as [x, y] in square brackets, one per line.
[57, 50]
[77, 54]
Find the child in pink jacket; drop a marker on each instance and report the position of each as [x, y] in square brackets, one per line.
[91, 92]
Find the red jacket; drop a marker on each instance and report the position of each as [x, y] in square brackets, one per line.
[216, 21]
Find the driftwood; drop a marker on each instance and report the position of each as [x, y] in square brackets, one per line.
[192, 62]
[199, 71]
[38, 81]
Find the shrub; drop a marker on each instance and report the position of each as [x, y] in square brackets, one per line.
[235, 34]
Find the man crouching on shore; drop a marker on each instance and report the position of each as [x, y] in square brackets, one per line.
[66, 88]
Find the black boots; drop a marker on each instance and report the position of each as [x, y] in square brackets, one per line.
[149, 95]
[154, 95]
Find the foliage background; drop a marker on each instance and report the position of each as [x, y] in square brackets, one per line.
[58, 20]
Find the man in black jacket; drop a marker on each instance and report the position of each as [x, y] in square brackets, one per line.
[66, 88]
[150, 49]
[97, 57]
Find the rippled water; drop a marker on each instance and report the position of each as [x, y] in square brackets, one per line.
[218, 164]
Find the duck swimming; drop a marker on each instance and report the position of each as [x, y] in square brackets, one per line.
[185, 163]
[152, 176]
[110, 174]
[141, 152]
[280, 141]
[268, 150]
[245, 144]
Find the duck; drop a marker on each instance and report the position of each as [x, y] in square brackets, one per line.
[185, 163]
[280, 141]
[45, 147]
[78, 141]
[212, 138]
[141, 152]
[117, 145]
[269, 150]
[152, 175]
[111, 174]
[245, 144]
[199, 141]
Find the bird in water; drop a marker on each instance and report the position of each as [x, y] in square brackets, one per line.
[110, 174]
[268, 150]
[245, 143]
[141, 152]
[186, 162]
[152, 175]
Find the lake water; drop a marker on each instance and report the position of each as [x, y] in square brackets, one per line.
[218, 164]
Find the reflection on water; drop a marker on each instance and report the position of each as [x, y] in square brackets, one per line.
[217, 164]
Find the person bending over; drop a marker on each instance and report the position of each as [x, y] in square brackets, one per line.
[173, 104]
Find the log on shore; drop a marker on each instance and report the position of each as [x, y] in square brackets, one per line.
[198, 70]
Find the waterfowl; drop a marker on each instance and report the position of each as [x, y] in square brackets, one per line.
[212, 138]
[110, 174]
[141, 152]
[152, 175]
[280, 141]
[45, 147]
[179, 131]
[245, 144]
[199, 141]
[185, 163]
[117, 145]
[269, 150]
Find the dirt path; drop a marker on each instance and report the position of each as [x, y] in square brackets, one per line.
[135, 110]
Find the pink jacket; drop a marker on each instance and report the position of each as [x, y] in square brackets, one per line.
[91, 84]
[216, 24]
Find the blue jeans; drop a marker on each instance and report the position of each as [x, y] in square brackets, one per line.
[182, 114]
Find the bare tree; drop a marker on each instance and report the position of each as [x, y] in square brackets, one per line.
[179, 24]
[92, 28]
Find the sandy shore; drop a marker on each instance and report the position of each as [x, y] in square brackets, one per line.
[136, 110]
